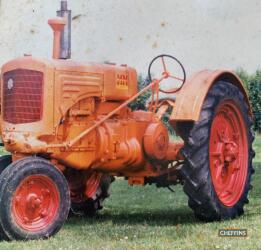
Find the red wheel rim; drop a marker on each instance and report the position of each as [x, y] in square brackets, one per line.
[92, 184]
[35, 203]
[228, 153]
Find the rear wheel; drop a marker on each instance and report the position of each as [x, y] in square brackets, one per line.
[218, 155]
[88, 191]
[36, 198]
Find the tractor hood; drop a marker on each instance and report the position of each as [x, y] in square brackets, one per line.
[54, 86]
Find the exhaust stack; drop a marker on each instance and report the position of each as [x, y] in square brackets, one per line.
[65, 42]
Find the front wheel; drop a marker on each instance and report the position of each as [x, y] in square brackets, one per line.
[34, 198]
[218, 155]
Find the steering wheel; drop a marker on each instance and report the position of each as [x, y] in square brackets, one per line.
[167, 73]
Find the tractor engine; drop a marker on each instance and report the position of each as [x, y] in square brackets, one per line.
[47, 103]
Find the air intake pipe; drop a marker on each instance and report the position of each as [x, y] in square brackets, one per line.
[57, 25]
[61, 26]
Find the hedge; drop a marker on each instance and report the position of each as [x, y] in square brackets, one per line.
[253, 85]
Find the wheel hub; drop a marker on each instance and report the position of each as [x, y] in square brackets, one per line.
[35, 203]
[231, 151]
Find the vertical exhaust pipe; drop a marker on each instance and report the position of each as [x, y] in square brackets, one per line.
[65, 42]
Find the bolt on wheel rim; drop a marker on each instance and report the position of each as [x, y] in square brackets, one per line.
[35, 203]
[228, 153]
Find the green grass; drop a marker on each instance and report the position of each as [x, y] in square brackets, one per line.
[151, 218]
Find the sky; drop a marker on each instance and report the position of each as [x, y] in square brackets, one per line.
[200, 33]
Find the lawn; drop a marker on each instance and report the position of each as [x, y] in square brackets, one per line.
[151, 218]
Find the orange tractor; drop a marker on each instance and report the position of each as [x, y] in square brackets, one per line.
[69, 129]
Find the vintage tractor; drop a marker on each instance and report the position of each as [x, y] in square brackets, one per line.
[70, 131]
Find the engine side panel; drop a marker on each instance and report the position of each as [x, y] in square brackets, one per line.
[77, 81]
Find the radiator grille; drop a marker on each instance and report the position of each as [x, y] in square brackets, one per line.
[22, 96]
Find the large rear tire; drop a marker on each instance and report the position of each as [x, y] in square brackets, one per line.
[36, 199]
[218, 155]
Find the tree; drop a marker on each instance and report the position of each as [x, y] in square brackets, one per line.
[140, 102]
[253, 86]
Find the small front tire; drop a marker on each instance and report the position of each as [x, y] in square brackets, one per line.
[36, 199]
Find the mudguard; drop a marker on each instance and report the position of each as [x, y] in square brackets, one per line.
[191, 97]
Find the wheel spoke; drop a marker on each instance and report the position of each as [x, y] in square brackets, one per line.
[226, 134]
[164, 64]
[176, 78]
[219, 172]
[220, 136]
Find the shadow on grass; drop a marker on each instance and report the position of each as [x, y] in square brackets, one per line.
[166, 216]
[182, 215]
